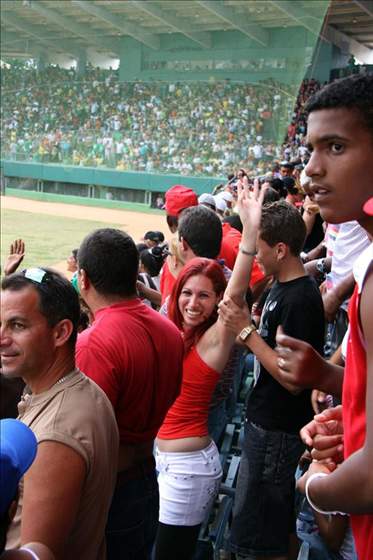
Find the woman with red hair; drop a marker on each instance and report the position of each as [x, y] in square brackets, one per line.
[187, 458]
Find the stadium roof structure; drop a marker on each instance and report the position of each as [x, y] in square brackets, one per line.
[71, 27]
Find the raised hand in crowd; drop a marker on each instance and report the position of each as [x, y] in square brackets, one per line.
[249, 203]
[15, 257]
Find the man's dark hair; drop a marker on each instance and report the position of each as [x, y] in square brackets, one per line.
[354, 92]
[58, 299]
[282, 223]
[234, 221]
[278, 185]
[172, 222]
[271, 195]
[111, 261]
[201, 228]
[153, 259]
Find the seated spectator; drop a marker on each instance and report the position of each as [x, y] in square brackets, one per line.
[208, 200]
[165, 134]
[153, 238]
[151, 262]
[294, 196]
[221, 206]
[72, 263]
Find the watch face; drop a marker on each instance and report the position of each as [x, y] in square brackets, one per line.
[244, 334]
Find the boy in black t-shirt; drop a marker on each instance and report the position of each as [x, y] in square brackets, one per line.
[264, 519]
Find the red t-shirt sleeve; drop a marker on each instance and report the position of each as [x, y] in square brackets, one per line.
[167, 282]
[256, 274]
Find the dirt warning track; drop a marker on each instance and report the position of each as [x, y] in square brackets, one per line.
[134, 223]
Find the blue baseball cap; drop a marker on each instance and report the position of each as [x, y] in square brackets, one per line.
[18, 447]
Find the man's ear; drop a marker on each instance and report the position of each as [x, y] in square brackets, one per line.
[282, 251]
[83, 279]
[183, 244]
[62, 332]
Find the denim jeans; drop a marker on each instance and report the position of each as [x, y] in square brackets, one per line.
[263, 515]
[313, 545]
[217, 421]
[335, 332]
[133, 519]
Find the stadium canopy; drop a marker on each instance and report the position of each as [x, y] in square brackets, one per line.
[77, 28]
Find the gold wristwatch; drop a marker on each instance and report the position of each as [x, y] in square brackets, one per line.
[246, 332]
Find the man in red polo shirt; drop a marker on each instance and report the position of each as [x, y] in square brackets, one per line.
[135, 355]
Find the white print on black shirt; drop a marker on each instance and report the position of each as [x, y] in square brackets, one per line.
[269, 306]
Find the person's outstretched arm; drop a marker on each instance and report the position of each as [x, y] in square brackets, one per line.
[249, 206]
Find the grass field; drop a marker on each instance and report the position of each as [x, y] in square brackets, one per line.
[49, 239]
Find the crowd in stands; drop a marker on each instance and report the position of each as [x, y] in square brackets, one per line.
[127, 375]
[201, 128]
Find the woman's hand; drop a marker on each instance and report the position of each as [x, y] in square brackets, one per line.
[249, 203]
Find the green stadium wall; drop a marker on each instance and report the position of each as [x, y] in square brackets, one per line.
[96, 183]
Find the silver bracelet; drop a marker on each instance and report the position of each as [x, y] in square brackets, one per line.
[33, 554]
[248, 253]
[319, 510]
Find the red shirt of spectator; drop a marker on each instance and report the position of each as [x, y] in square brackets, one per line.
[135, 355]
[230, 246]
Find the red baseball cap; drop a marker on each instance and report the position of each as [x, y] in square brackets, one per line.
[368, 207]
[179, 197]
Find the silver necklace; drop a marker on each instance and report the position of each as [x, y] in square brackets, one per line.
[67, 376]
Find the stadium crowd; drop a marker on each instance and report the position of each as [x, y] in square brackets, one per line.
[57, 116]
[127, 376]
